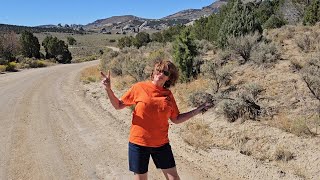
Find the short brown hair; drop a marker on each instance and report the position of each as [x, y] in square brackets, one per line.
[174, 74]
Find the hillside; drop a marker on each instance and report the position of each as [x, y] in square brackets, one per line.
[282, 143]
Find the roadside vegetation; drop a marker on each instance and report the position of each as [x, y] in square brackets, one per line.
[35, 50]
[258, 71]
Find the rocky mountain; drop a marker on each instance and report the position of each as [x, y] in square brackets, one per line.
[116, 22]
[192, 14]
[129, 23]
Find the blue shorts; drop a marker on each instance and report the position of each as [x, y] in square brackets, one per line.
[139, 157]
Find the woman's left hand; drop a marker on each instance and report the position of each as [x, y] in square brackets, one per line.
[204, 107]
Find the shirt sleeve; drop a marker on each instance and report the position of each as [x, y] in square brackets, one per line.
[129, 98]
[175, 110]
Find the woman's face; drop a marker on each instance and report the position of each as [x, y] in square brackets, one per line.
[161, 75]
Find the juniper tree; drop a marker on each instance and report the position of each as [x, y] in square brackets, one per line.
[57, 49]
[312, 13]
[185, 51]
[240, 21]
[30, 45]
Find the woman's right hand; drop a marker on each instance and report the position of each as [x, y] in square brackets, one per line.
[106, 80]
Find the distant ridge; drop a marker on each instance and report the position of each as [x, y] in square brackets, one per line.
[193, 14]
[19, 29]
[131, 23]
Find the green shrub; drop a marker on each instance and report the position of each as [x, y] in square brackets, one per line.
[11, 66]
[113, 54]
[204, 46]
[242, 45]
[304, 42]
[282, 154]
[141, 39]
[198, 98]
[296, 65]
[71, 40]
[115, 67]
[310, 74]
[156, 56]
[220, 75]
[274, 22]
[34, 63]
[224, 57]
[90, 58]
[265, 54]
[157, 36]
[125, 42]
[135, 67]
[254, 90]
[37, 64]
[2, 68]
[244, 105]
[232, 110]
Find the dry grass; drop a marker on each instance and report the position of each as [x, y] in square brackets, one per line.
[297, 126]
[283, 154]
[122, 82]
[90, 74]
[183, 91]
[198, 134]
[300, 172]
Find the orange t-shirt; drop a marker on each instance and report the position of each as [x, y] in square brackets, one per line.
[154, 106]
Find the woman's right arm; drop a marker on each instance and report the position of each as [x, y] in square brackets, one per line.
[116, 103]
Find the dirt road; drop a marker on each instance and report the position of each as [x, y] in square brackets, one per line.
[49, 131]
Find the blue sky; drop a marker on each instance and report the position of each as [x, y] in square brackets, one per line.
[41, 12]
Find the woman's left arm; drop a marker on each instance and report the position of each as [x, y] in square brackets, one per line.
[186, 116]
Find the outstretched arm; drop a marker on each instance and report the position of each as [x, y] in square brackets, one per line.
[106, 81]
[186, 116]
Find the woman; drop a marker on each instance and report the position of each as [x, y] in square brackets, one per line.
[154, 105]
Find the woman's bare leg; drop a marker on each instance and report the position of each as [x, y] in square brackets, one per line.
[171, 173]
